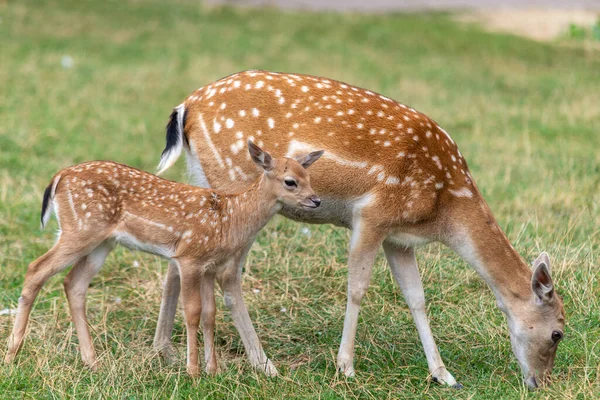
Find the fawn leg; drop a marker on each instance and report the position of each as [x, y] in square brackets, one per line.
[38, 272]
[191, 283]
[166, 317]
[230, 281]
[76, 284]
[208, 322]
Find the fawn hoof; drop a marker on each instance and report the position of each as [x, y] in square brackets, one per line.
[211, 370]
[9, 358]
[193, 371]
[443, 377]
[91, 364]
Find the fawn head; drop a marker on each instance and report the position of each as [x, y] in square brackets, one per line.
[288, 177]
[538, 326]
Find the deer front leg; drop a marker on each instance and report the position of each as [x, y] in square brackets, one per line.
[166, 316]
[231, 283]
[365, 242]
[403, 265]
[76, 285]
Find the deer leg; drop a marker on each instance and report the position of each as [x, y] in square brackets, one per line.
[166, 317]
[403, 265]
[191, 298]
[363, 249]
[208, 322]
[76, 285]
[38, 272]
[231, 283]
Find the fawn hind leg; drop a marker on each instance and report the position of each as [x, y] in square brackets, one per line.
[59, 257]
[76, 285]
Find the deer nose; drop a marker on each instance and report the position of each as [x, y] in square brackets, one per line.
[316, 200]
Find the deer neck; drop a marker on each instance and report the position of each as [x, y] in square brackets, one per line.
[248, 212]
[478, 239]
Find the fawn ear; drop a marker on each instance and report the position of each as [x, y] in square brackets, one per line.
[541, 282]
[308, 160]
[260, 157]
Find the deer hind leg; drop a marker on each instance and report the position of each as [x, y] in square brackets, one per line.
[403, 265]
[54, 261]
[191, 283]
[208, 322]
[166, 317]
[76, 285]
[230, 281]
[365, 243]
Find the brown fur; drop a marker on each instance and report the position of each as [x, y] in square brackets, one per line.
[102, 203]
[390, 173]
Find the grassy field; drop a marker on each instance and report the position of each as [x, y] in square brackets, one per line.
[84, 80]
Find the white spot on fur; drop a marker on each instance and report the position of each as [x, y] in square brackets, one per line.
[462, 192]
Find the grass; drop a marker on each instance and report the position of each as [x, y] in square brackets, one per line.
[526, 116]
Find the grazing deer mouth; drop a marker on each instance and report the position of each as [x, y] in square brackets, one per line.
[311, 203]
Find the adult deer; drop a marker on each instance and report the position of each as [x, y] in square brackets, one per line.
[100, 204]
[390, 174]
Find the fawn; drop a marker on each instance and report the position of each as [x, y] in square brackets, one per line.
[390, 174]
[100, 204]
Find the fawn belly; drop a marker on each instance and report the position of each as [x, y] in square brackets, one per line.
[138, 232]
[134, 243]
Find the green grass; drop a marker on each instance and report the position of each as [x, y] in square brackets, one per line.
[526, 116]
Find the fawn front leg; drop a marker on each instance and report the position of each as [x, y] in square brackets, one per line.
[403, 265]
[208, 322]
[191, 283]
[166, 316]
[230, 281]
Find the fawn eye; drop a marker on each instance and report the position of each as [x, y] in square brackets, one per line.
[290, 183]
[556, 336]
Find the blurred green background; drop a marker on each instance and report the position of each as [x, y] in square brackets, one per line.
[82, 80]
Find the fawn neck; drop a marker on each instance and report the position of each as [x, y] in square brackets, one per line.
[248, 212]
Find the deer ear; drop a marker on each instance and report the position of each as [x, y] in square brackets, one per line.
[260, 157]
[308, 160]
[541, 282]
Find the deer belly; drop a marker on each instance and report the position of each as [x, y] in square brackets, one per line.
[331, 211]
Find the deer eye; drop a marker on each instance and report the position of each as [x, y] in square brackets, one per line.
[290, 183]
[556, 336]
